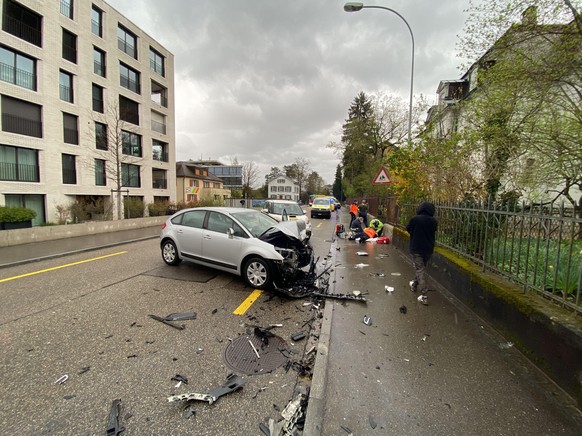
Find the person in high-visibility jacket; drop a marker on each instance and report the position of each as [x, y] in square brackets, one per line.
[377, 225]
[353, 211]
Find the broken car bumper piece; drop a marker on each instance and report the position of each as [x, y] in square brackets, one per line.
[233, 383]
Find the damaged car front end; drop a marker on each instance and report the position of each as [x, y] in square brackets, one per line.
[291, 241]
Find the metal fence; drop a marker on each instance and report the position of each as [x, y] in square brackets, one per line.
[536, 246]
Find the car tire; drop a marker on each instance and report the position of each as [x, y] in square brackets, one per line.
[257, 273]
[170, 253]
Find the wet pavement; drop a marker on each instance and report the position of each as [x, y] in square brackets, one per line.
[393, 366]
[423, 370]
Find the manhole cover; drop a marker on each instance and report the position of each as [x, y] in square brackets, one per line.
[241, 356]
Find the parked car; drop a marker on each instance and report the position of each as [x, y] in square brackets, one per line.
[241, 241]
[322, 206]
[279, 208]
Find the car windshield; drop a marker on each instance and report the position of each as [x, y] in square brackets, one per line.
[321, 201]
[254, 221]
[291, 208]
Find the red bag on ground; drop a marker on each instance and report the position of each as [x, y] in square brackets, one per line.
[383, 240]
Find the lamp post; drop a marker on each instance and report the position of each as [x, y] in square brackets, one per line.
[357, 6]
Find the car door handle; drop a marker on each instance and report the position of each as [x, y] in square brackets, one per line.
[207, 236]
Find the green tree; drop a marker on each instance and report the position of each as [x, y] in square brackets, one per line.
[337, 184]
[525, 116]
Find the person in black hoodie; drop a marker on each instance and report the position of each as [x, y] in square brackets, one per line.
[422, 229]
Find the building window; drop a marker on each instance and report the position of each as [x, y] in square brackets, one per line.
[69, 169]
[281, 181]
[159, 94]
[98, 103]
[69, 46]
[126, 41]
[70, 129]
[131, 143]
[158, 122]
[30, 201]
[206, 184]
[99, 62]
[22, 22]
[273, 189]
[128, 110]
[67, 8]
[129, 78]
[100, 179]
[157, 62]
[97, 21]
[159, 151]
[101, 142]
[130, 175]
[159, 179]
[66, 86]
[17, 68]
[287, 188]
[22, 117]
[18, 164]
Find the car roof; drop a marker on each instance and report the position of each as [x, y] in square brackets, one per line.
[220, 209]
[283, 201]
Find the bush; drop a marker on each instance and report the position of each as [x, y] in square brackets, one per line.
[133, 208]
[159, 208]
[16, 214]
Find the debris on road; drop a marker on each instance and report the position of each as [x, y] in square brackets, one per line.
[377, 274]
[403, 309]
[372, 422]
[233, 383]
[61, 379]
[180, 379]
[297, 336]
[389, 289]
[362, 253]
[180, 316]
[113, 426]
[84, 370]
[254, 348]
[367, 320]
[361, 265]
[165, 321]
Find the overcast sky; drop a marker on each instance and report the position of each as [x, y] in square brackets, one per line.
[270, 81]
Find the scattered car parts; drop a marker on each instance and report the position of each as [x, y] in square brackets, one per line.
[233, 383]
[113, 426]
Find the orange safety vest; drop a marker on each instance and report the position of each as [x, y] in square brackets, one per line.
[354, 209]
[370, 232]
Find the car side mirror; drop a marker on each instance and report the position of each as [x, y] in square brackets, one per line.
[230, 232]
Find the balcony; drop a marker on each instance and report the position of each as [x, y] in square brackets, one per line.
[19, 29]
[19, 172]
[71, 136]
[22, 126]
[160, 184]
[158, 127]
[17, 77]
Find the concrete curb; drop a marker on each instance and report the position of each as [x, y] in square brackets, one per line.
[317, 393]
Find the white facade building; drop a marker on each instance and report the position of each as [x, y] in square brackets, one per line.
[78, 82]
[282, 187]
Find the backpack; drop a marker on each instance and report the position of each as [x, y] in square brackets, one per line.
[340, 230]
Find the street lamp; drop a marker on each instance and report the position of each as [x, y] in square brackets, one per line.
[357, 6]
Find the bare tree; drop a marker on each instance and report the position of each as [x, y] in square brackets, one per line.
[117, 145]
[250, 177]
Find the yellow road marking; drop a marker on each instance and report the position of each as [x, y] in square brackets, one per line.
[319, 225]
[244, 306]
[59, 267]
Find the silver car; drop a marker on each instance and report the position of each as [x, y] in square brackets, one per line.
[283, 210]
[244, 242]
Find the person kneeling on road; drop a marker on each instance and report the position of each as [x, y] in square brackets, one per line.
[377, 225]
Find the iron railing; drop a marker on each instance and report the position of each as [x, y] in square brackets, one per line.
[536, 246]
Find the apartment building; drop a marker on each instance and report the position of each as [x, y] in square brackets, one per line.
[87, 108]
[196, 182]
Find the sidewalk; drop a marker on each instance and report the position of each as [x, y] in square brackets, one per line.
[433, 370]
[24, 253]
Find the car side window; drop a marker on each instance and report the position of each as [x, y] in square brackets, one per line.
[193, 218]
[218, 222]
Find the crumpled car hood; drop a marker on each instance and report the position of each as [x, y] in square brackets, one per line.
[286, 234]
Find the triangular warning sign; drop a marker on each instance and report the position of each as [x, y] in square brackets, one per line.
[382, 177]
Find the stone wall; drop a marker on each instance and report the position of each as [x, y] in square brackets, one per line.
[47, 233]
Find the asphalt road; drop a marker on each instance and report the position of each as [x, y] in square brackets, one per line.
[86, 316]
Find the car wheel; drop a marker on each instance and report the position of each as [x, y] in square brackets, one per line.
[170, 253]
[257, 273]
